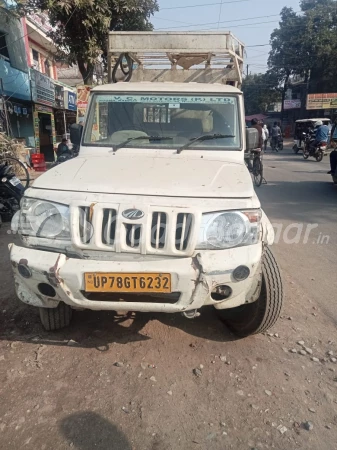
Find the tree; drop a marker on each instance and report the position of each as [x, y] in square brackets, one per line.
[290, 51]
[80, 27]
[305, 45]
[260, 91]
[321, 28]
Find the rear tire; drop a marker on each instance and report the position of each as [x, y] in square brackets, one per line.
[319, 156]
[56, 318]
[296, 149]
[257, 317]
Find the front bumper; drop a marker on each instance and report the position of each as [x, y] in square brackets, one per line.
[193, 279]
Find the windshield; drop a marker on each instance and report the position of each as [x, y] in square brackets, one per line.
[165, 121]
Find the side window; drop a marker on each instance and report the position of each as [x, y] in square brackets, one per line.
[3, 46]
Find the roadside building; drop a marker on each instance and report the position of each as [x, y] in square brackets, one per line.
[15, 91]
[50, 96]
[34, 105]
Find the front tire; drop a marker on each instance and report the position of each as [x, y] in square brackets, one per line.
[257, 172]
[305, 154]
[54, 319]
[258, 317]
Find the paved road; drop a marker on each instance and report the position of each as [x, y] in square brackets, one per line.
[301, 192]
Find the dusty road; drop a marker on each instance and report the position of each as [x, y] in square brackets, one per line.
[63, 390]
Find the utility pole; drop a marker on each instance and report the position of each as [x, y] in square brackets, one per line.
[247, 70]
[304, 93]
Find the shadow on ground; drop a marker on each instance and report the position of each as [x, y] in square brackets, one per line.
[88, 430]
[99, 329]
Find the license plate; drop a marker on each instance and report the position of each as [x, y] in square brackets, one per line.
[128, 282]
[14, 181]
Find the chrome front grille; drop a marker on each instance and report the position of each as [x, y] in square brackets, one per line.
[109, 226]
[160, 230]
[183, 230]
[133, 235]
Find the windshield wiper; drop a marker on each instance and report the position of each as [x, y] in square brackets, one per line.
[138, 138]
[204, 137]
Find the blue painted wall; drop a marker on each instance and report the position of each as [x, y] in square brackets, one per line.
[15, 82]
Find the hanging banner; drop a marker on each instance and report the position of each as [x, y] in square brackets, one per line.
[83, 93]
[71, 101]
[36, 131]
[322, 101]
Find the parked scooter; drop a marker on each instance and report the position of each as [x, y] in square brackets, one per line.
[11, 192]
[311, 150]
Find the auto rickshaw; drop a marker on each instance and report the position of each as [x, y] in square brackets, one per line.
[303, 126]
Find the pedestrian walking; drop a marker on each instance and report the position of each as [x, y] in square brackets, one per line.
[266, 136]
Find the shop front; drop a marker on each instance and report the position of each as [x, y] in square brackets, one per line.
[45, 132]
[43, 96]
[65, 112]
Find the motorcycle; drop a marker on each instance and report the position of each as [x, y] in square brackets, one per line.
[11, 192]
[311, 150]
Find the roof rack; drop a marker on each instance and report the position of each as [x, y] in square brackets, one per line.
[204, 57]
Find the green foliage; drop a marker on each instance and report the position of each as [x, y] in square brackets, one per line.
[260, 91]
[81, 26]
[305, 44]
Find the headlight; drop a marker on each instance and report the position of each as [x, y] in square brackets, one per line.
[43, 219]
[229, 229]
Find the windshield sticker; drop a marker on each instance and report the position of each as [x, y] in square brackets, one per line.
[173, 102]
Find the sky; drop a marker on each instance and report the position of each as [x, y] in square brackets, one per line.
[175, 15]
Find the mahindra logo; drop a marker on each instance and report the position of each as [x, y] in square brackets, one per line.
[133, 214]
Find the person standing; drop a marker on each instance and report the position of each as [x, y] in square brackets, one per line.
[275, 136]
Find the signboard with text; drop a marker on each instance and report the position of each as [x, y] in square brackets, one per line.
[292, 104]
[59, 97]
[71, 101]
[43, 88]
[322, 101]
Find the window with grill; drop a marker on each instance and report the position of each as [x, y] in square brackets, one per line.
[3, 46]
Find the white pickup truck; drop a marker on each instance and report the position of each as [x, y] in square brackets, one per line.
[157, 213]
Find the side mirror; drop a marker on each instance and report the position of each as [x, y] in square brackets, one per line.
[76, 131]
[252, 139]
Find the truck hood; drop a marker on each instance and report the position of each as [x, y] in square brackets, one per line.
[171, 176]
